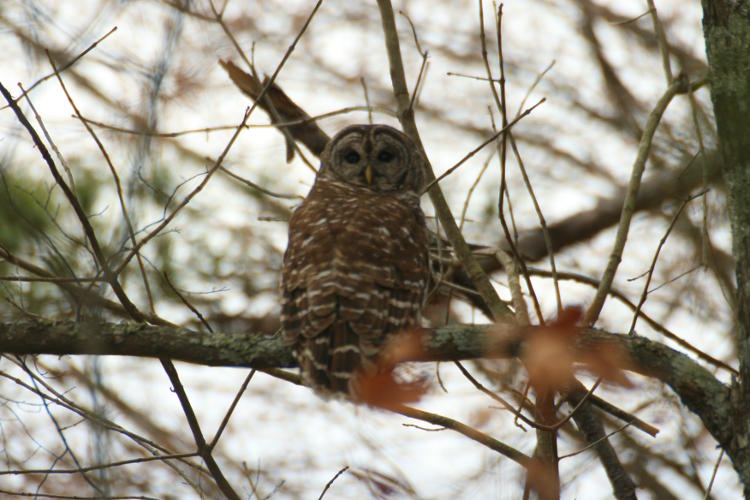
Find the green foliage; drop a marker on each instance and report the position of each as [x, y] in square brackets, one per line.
[22, 210]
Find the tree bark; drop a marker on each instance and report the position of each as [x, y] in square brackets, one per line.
[726, 27]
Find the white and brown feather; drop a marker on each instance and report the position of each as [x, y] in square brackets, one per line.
[355, 268]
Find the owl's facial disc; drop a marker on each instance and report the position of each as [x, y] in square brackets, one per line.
[377, 158]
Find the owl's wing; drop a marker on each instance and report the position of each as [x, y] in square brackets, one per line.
[307, 301]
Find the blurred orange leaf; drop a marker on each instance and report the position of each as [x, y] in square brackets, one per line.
[552, 356]
[381, 389]
[379, 386]
[607, 362]
[541, 478]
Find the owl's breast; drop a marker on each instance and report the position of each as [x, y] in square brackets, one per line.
[354, 256]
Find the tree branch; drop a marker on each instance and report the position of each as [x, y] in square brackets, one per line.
[469, 263]
[680, 85]
[695, 385]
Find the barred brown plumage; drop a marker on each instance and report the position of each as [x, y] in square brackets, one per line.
[356, 265]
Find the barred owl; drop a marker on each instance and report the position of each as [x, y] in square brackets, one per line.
[356, 265]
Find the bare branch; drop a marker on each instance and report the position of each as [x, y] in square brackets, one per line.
[679, 86]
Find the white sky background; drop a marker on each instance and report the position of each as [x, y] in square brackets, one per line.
[285, 430]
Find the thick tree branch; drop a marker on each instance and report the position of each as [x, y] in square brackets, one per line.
[698, 389]
[695, 385]
[138, 339]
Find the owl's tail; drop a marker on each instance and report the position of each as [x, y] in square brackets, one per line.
[330, 359]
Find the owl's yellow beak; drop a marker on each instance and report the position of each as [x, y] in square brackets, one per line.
[368, 174]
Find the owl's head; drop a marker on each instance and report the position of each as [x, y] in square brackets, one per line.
[376, 157]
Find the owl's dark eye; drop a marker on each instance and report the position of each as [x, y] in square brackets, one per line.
[352, 157]
[385, 156]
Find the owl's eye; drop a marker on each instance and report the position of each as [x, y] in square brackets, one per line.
[352, 157]
[385, 156]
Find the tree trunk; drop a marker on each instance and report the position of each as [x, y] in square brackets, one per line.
[726, 27]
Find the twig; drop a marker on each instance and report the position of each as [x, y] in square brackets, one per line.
[98, 419]
[115, 177]
[502, 145]
[623, 415]
[630, 19]
[50, 279]
[422, 68]
[203, 449]
[467, 431]
[97, 467]
[494, 396]
[165, 222]
[406, 117]
[66, 66]
[268, 104]
[420, 81]
[109, 276]
[329, 483]
[258, 187]
[706, 243]
[662, 40]
[223, 154]
[591, 445]
[415, 426]
[472, 77]
[481, 146]
[470, 192]
[651, 268]
[713, 475]
[219, 128]
[236, 400]
[533, 85]
[60, 433]
[47, 136]
[542, 223]
[367, 100]
[500, 102]
[36, 494]
[678, 86]
[186, 302]
[521, 312]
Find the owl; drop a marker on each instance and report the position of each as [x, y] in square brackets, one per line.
[356, 265]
